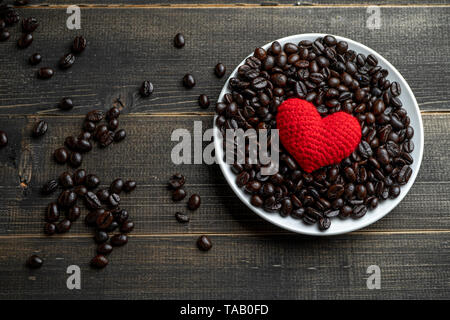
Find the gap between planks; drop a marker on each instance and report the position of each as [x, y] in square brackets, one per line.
[224, 234]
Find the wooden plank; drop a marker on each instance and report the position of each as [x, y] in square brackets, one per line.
[145, 156]
[284, 267]
[127, 46]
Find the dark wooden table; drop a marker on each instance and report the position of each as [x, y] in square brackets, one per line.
[130, 41]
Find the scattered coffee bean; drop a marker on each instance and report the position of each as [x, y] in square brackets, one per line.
[219, 70]
[40, 128]
[101, 236]
[74, 213]
[203, 101]
[120, 135]
[127, 226]
[91, 217]
[129, 186]
[188, 81]
[34, 262]
[106, 138]
[80, 191]
[25, 40]
[118, 240]
[52, 213]
[102, 195]
[63, 226]
[29, 24]
[67, 61]
[146, 89]
[104, 249]
[65, 104]
[61, 155]
[181, 217]
[35, 59]
[49, 187]
[67, 199]
[117, 186]
[79, 44]
[91, 201]
[4, 35]
[65, 180]
[92, 181]
[178, 194]
[179, 41]
[75, 159]
[99, 261]
[203, 243]
[194, 202]
[95, 116]
[79, 177]
[49, 228]
[3, 139]
[46, 73]
[176, 181]
[113, 200]
[120, 215]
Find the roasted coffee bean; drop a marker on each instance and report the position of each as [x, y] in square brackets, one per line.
[120, 135]
[104, 249]
[80, 191]
[95, 116]
[34, 59]
[49, 187]
[127, 226]
[34, 262]
[65, 180]
[113, 200]
[100, 237]
[335, 191]
[324, 223]
[359, 211]
[188, 81]
[146, 89]
[74, 213]
[71, 143]
[117, 186]
[40, 128]
[99, 261]
[63, 226]
[25, 40]
[91, 217]
[4, 35]
[106, 138]
[67, 199]
[79, 44]
[242, 179]
[102, 195]
[179, 41]
[45, 73]
[203, 101]
[113, 124]
[67, 61]
[92, 201]
[75, 159]
[219, 70]
[49, 228]
[79, 177]
[118, 240]
[104, 220]
[120, 215]
[178, 194]
[129, 185]
[3, 139]
[204, 243]
[92, 181]
[394, 191]
[177, 181]
[182, 217]
[194, 202]
[52, 213]
[29, 24]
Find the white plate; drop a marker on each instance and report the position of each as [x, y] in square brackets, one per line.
[338, 226]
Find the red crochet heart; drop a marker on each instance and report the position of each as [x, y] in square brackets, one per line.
[315, 141]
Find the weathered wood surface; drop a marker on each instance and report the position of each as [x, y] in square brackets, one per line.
[410, 245]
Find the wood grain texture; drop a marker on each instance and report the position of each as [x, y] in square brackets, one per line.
[127, 46]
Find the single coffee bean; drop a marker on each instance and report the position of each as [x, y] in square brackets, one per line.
[75, 159]
[65, 104]
[104, 220]
[188, 81]
[52, 213]
[49, 187]
[74, 213]
[29, 24]
[84, 145]
[118, 240]
[45, 73]
[66, 181]
[63, 226]
[79, 177]
[71, 143]
[181, 217]
[89, 126]
[67, 61]
[112, 227]
[127, 226]
[3, 139]
[113, 200]
[129, 185]
[104, 249]
[359, 211]
[103, 195]
[219, 70]
[34, 262]
[179, 41]
[194, 202]
[80, 190]
[120, 215]
[40, 128]
[146, 89]
[4, 35]
[79, 44]
[203, 101]
[113, 124]
[61, 155]
[203, 243]
[95, 116]
[25, 40]
[176, 181]
[117, 186]
[35, 59]
[99, 261]
[91, 217]
[92, 181]
[120, 135]
[106, 138]
[67, 199]
[49, 228]
[91, 201]
[100, 237]
[324, 223]
[178, 194]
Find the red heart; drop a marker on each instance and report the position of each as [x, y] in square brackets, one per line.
[315, 141]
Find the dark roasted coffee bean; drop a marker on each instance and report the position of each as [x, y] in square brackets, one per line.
[106, 138]
[79, 44]
[345, 211]
[194, 202]
[120, 135]
[372, 60]
[40, 128]
[65, 180]
[113, 124]
[359, 211]
[49, 187]
[177, 181]
[71, 142]
[75, 159]
[219, 70]
[118, 240]
[120, 215]
[179, 41]
[79, 177]
[80, 191]
[67, 199]
[91, 217]
[256, 200]
[182, 217]
[104, 249]
[129, 185]
[116, 186]
[3, 139]
[113, 200]
[178, 194]
[102, 195]
[203, 101]
[92, 201]
[49, 228]
[146, 89]
[92, 181]
[99, 261]
[394, 191]
[188, 81]
[34, 262]
[242, 179]
[67, 61]
[324, 223]
[335, 191]
[127, 226]
[46, 73]
[29, 24]
[52, 213]
[203, 243]
[35, 59]
[4, 34]
[95, 115]
[25, 40]
[74, 213]
[100, 236]
[63, 226]
[104, 220]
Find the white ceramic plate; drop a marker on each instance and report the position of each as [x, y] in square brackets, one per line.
[338, 226]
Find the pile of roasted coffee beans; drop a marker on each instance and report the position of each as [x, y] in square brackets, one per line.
[92, 130]
[334, 78]
[176, 186]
